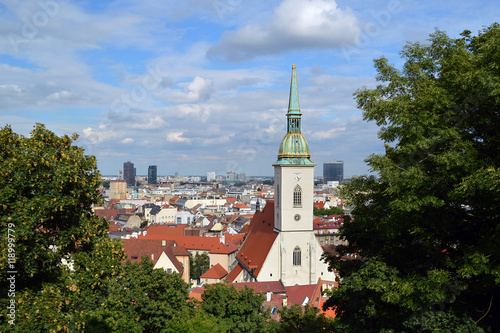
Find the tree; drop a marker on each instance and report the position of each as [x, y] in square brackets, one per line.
[330, 211]
[47, 189]
[295, 320]
[426, 231]
[236, 310]
[199, 264]
[139, 299]
[68, 275]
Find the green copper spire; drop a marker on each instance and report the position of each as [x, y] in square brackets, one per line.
[293, 103]
[294, 149]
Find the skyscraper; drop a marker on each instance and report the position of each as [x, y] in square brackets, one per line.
[152, 173]
[129, 173]
[333, 171]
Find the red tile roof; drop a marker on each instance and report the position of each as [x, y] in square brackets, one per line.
[319, 204]
[210, 244]
[110, 213]
[215, 272]
[319, 299]
[297, 294]
[261, 237]
[196, 293]
[135, 249]
[240, 206]
[276, 287]
[234, 272]
[166, 229]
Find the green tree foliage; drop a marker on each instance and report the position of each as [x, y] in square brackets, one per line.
[331, 211]
[236, 310]
[140, 299]
[427, 229]
[47, 189]
[198, 264]
[309, 320]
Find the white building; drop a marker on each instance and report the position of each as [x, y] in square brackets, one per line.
[210, 176]
[282, 244]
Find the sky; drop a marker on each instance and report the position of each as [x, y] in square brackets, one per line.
[202, 85]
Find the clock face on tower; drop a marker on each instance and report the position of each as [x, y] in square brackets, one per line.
[297, 177]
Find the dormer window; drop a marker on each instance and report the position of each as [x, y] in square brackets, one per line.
[297, 197]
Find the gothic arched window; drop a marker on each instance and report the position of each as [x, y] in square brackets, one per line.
[297, 254]
[297, 196]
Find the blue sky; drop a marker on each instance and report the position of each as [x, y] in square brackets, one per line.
[202, 85]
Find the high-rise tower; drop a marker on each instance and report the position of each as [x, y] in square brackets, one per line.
[129, 173]
[152, 174]
[333, 171]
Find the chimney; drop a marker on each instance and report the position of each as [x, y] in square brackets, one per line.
[268, 296]
[163, 243]
[285, 301]
[152, 256]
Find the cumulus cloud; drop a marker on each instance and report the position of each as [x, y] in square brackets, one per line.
[177, 137]
[296, 24]
[197, 90]
[128, 140]
[101, 134]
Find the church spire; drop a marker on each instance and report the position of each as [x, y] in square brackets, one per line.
[293, 103]
[294, 149]
[293, 115]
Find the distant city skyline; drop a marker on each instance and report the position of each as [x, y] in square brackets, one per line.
[197, 86]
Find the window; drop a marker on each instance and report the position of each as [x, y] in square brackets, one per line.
[297, 256]
[277, 194]
[273, 310]
[297, 196]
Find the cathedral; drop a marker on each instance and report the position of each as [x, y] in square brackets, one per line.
[281, 245]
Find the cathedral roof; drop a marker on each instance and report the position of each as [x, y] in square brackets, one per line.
[294, 149]
[259, 241]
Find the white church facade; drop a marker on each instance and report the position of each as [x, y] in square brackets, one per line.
[281, 244]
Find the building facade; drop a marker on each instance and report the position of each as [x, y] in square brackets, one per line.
[152, 174]
[129, 173]
[333, 171]
[117, 189]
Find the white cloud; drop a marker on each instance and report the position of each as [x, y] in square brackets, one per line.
[10, 88]
[177, 137]
[59, 96]
[328, 134]
[296, 24]
[197, 90]
[100, 135]
[127, 140]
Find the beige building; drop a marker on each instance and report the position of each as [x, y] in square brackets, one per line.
[117, 189]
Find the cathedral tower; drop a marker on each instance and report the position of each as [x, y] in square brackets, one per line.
[293, 173]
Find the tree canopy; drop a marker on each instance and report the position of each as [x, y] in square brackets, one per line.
[427, 228]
